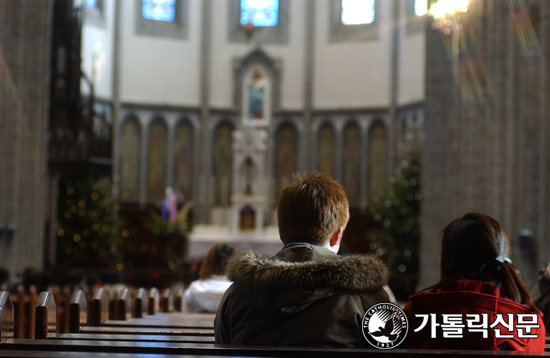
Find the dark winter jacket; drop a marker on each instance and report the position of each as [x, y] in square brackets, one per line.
[304, 296]
[471, 297]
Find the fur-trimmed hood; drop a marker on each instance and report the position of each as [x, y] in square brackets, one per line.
[307, 267]
[304, 296]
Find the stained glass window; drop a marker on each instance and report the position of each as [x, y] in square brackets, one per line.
[420, 7]
[92, 4]
[159, 10]
[357, 12]
[260, 12]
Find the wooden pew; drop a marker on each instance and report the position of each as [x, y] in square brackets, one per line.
[178, 303]
[24, 304]
[167, 301]
[99, 308]
[100, 324]
[62, 297]
[120, 303]
[140, 304]
[150, 331]
[20, 309]
[185, 325]
[68, 347]
[46, 316]
[78, 328]
[78, 312]
[7, 317]
[207, 349]
[167, 320]
[142, 319]
[153, 301]
[124, 305]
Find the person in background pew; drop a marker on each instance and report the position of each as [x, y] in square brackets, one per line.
[477, 277]
[306, 295]
[205, 294]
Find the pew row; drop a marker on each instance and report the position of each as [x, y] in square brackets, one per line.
[68, 347]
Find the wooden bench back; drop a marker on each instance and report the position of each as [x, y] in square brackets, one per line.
[153, 301]
[7, 317]
[178, 305]
[20, 309]
[167, 300]
[78, 313]
[46, 314]
[99, 307]
[140, 304]
[124, 305]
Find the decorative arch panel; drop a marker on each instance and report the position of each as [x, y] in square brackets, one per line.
[157, 159]
[377, 159]
[129, 158]
[183, 155]
[351, 163]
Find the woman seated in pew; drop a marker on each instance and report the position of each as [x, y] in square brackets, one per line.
[480, 301]
[205, 294]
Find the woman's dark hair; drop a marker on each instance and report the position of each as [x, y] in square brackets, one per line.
[470, 247]
[215, 261]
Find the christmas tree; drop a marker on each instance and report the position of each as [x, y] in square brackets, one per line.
[89, 229]
[396, 237]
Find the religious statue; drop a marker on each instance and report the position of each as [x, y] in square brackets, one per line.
[257, 93]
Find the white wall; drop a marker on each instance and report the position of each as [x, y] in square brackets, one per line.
[166, 71]
[351, 74]
[97, 42]
[160, 70]
[412, 65]
[224, 52]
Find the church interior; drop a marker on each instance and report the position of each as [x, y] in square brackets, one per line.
[136, 134]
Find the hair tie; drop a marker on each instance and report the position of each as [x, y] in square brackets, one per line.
[503, 259]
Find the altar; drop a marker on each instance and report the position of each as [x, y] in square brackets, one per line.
[239, 187]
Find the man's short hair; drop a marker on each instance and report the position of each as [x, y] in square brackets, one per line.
[311, 208]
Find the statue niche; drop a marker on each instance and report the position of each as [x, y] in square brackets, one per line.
[256, 97]
[249, 174]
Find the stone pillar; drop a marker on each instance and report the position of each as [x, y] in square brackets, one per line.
[25, 30]
[486, 129]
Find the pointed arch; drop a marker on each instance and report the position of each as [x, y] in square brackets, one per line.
[285, 161]
[129, 157]
[183, 157]
[326, 149]
[377, 158]
[351, 162]
[222, 163]
[157, 158]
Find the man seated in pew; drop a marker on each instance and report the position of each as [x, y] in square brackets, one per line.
[306, 295]
[205, 294]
